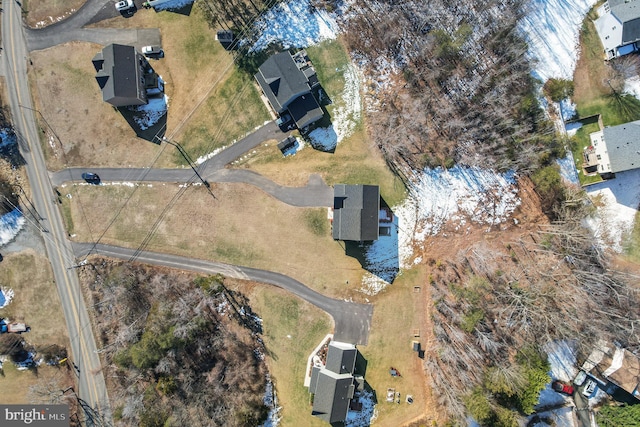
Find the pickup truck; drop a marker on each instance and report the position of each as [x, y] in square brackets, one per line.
[14, 328]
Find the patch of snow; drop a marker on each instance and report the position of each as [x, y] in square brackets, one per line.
[6, 295]
[149, 114]
[617, 201]
[293, 23]
[567, 109]
[10, 225]
[206, 157]
[561, 417]
[270, 400]
[632, 86]
[461, 193]
[551, 28]
[568, 168]
[572, 128]
[7, 138]
[367, 415]
[561, 356]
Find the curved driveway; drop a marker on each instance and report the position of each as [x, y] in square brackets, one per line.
[352, 320]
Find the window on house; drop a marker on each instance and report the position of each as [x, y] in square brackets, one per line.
[606, 38]
[599, 157]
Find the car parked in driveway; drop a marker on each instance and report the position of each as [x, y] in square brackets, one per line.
[562, 387]
[91, 178]
[590, 387]
[152, 51]
[285, 122]
[124, 5]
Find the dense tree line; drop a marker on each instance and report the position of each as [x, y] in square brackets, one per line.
[180, 351]
[497, 307]
[464, 91]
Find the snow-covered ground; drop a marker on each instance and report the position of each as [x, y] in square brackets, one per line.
[551, 28]
[6, 295]
[148, 114]
[10, 225]
[367, 415]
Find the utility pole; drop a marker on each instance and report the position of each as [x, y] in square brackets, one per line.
[186, 156]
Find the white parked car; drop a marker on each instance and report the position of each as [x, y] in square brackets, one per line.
[124, 5]
[155, 51]
[589, 387]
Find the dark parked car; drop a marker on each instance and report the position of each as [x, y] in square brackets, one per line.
[285, 122]
[91, 178]
[562, 387]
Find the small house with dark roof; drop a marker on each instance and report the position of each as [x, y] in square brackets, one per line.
[618, 26]
[356, 209]
[122, 75]
[617, 371]
[615, 149]
[335, 384]
[287, 82]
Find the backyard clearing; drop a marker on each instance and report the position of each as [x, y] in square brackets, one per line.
[46, 12]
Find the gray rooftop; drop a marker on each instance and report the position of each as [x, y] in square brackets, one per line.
[623, 146]
[355, 212]
[332, 395]
[119, 72]
[341, 358]
[281, 80]
[628, 13]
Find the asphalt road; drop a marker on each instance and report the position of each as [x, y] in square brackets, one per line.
[91, 387]
[72, 28]
[352, 320]
[315, 194]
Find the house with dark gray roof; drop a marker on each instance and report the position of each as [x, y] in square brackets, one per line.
[287, 82]
[333, 385]
[616, 370]
[123, 75]
[356, 209]
[618, 26]
[616, 148]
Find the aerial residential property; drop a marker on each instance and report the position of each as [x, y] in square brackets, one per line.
[618, 26]
[614, 149]
[124, 75]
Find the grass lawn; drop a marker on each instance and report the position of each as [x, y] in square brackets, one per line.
[211, 103]
[243, 225]
[292, 329]
[594, 95]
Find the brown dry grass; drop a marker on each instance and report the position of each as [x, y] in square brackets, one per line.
[36, 302]
[45, 12]
[243, 225]
[201, 83]
[81, 130]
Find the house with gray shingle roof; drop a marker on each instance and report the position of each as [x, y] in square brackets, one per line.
[287, 82]
[356, 211]
[333, 385]
[618, 26]
[616, 148]
[123, 75]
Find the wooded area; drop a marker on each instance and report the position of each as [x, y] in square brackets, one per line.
[180, 350]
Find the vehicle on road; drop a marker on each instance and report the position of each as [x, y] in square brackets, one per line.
[562, 387]
[579, 379]
[91, 178]
[590, 387]
[153, 51]
[124, 5]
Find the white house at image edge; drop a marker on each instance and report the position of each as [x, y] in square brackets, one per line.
[618, 26]
[614, 149]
